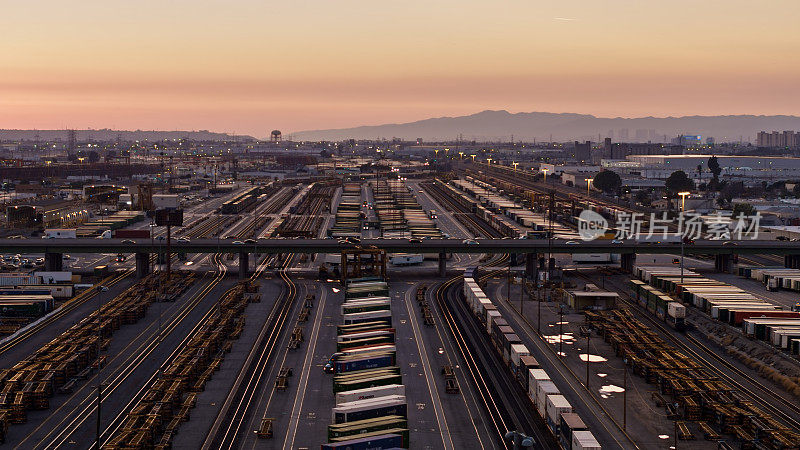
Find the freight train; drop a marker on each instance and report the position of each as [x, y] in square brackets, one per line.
[542, 391]
[241, 202]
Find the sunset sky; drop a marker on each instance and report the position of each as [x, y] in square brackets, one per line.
[249, 66]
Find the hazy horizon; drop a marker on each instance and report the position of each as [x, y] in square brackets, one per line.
[249, 67]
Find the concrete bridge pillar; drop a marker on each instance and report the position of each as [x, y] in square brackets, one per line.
[531, 271]
[244, 265]
[626, 261]
[723, 263]
[791, 261]
[442, 264]
[53, 262]
[142, 265]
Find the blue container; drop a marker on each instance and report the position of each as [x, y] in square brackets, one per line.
[364, 364]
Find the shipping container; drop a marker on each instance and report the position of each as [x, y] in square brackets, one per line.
[527, 363]
[403, 432]
[129, 233]
[543, 389]
[357, 427]
[584, 440]
[737, 316]
[491, 317]
[366, 334]
[759, 328]
[46, 299]
[48, 277]
[569, 424]
[676, 310]
[17, 279]
[60, 233]
[365, 317]
[557, 404]
[381, 442]
[365, 306]
[30, 310]
[364, 394]
[535, 376]
[354, 328]
[509, 340]
[517, 351]
[385, 348]
[367, 362]
[56, 290]
[366, 343]
[366, 381]
[781, 336]
[406, 259]
[392, 405]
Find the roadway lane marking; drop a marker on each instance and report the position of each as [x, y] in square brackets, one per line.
[447, 441]
[294, 418]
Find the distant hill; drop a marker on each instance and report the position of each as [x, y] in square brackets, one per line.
[110, 135]
[501, 125]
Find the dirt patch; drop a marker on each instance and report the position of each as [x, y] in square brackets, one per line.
[765, 360]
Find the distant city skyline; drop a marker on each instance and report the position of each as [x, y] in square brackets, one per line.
[248, 67]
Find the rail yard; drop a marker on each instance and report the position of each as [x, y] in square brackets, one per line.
[239, 346]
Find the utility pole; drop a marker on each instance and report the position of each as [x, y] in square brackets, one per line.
[550, 234]
[169, 254]
[560, 331]
[625, 394]
[508, 280]
[539, 314]
[588, 356]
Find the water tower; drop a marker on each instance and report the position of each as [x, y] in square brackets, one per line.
[275, 136]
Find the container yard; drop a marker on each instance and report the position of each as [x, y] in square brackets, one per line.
[370, 395]
[347, 221]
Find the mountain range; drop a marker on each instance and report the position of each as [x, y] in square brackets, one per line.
[542, 126]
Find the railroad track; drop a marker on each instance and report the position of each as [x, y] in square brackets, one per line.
[75, 416]
[506, 407]
[467, 218]
[233, 418]
[307, 219]
[776, 404]
[65, 309]
[119, 420]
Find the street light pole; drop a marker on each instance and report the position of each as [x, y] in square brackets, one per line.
[100, 289]
[683, 208]
[560, 331]
[625, 394]
[588, 357]
[539, 313]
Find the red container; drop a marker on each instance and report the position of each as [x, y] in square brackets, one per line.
[739, 316]
[132, 234]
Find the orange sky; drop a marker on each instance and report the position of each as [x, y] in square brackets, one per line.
[251, 66]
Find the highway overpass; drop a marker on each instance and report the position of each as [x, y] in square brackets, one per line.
[53, 249]
[519, 246]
